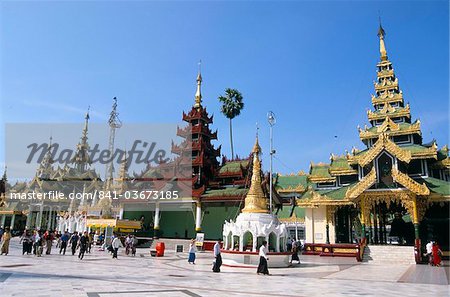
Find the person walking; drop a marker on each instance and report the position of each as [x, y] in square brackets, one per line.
[437, 253]
[73, 241]
[90, 242]
[429, 254]
[38, 243]
[294, 256]
[134, 243]
[218, 256]
[192, 250]
[4, 243]
[84, 241]
[262, 267]
[27, 242]
[116, 244]
[63, 242]
[48, 237]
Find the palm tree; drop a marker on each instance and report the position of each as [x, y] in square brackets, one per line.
[231, 107]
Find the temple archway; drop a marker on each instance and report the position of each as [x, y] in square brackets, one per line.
[272, 244]
[247, 241]
[384, 164]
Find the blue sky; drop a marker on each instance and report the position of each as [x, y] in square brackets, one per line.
[311, 63]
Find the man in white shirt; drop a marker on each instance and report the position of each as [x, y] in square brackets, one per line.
[116, 244]
[429, 248]
[262, 267]
[218, 256]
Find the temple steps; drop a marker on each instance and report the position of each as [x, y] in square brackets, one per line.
[389, 254]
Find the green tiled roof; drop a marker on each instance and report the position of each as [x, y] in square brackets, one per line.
[436, 185]
[442, 154]
[225, 192]
[338, 194]
[299, 212]
[285, 212]
[291, 181]
[414, 148]
[320, 170]
[233, 166]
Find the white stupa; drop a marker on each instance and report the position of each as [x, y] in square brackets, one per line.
[254, 224]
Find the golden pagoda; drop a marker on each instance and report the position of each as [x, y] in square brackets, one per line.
[256, 201]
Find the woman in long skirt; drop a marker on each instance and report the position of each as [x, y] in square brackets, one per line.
[192, 250]
[262, 267]
[294, 256]
[4, 243]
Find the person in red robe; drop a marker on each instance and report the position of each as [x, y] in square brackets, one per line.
[437, 253]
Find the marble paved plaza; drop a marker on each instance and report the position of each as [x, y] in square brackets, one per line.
[99, 275]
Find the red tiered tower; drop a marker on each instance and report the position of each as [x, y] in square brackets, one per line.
[197, 147]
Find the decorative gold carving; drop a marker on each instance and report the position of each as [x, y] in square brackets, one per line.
[385, 73]
[290, 189]
[387, 97]
[365, 183]
[409, 183]
[390, 111]
[412, 129]
[388, 124]
[344, 251]
[365, 211]
[255, 201]
[317, 200]
[330, 214]
[384, 143]
[386, 84]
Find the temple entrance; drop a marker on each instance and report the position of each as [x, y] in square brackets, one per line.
[435, 225]
[347, 230]
[390, 224]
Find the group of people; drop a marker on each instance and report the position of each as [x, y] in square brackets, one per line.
[217, 263]
[34, 242]
[434, 253]
[216, 251]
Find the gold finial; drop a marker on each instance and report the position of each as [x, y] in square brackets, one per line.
[198, 93]
[256, 148]
[381, 34]
[256, 201]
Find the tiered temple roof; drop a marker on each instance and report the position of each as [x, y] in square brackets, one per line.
[423, 169]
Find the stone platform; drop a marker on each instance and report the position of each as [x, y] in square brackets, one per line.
[100, 276]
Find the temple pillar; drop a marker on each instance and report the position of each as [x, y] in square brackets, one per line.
[254, 243]
[232, 242]
[156, 220]
[49, 220]
[363, 219]
[375, 224]
[277, 247]
[29, 216]
[70, 224]
[39, 217]
[13, 218]
[198, 217]
[309, 224]
[415, 218]
[121, 213]
[241, 243]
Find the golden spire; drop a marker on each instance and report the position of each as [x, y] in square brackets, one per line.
[198, 93]
[256, 201]
[381, 35]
